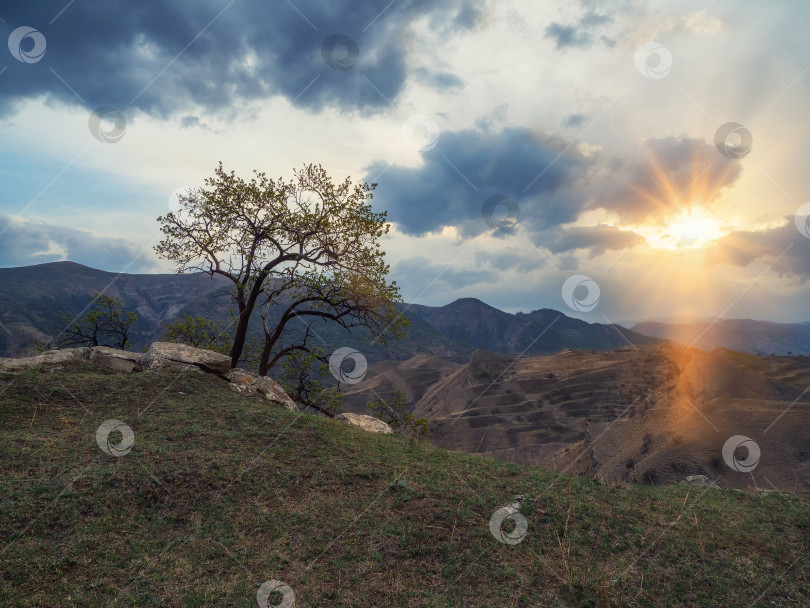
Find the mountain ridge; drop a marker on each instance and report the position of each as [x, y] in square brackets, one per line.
[31, 298]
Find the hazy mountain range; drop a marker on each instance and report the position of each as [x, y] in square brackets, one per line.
[746, 335]
[32, 298]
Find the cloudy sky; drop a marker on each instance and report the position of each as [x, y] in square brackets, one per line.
[655, 152]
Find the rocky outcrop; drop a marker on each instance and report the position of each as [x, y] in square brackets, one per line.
[367, 423]
[118, 360]
[246, 383]
[169, 354]
[162, 355]
[49, 357]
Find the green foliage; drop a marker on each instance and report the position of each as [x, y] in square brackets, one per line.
[302, 379]
[307, 247]
[106, 324]
[393, 411]
[198, 332]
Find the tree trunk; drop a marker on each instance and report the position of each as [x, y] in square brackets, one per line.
[245, 312]
[241, 335]
[263, 369]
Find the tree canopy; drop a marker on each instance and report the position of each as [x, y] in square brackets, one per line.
[298, 250]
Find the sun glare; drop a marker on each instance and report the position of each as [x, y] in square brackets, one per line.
[689, 229]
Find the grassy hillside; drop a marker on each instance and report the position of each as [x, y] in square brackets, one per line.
[220, 494]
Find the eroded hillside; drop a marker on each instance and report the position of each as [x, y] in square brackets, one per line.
[648, 414]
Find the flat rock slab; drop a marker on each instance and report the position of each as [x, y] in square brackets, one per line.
[46, 358]
[367, 423]
[169, 354]
[246, 383]
[118, 360]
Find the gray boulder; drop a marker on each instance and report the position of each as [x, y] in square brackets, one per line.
[168, 354]
[367, 423]
[246, 383]
[118, 360]
[49, 357]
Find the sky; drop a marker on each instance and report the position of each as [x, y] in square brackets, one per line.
[618, 160]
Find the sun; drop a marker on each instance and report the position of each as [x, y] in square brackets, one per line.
[687, 230]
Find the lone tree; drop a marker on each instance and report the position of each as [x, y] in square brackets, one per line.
[299, 250]
[106, 324]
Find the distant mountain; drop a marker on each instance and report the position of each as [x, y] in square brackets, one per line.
[745, 335]
[539, 332]
[32, 298]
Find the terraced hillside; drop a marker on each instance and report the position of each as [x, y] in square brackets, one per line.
[652, 414]
[413, 377]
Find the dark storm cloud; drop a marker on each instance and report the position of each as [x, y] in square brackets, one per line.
[579, 34]
[440, 81]
[540, 172]
[597, 239]
[422, 272]
[525, 260]
[552, 183]
[664, 177]
[782, 247]
[161, 57]
[574, 120]
[25, 243]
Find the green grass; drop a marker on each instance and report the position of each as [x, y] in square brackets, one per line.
[221, 493]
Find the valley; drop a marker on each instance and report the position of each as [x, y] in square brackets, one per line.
[648, 414]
